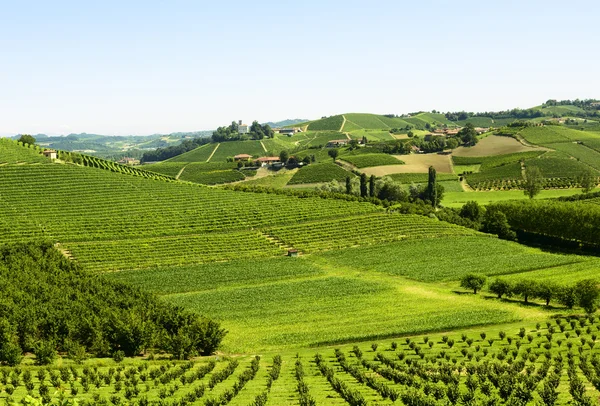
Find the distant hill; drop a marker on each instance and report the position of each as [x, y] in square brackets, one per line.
[285, 123]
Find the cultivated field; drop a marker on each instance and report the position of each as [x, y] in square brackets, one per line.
[492, 145]
[414, 163]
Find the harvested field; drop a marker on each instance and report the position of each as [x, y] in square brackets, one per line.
[494, 145]
[416, 163]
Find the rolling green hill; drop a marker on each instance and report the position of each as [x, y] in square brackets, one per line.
[381, 286]
[12, 152]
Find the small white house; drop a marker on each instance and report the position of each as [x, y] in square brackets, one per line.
[49, 153]
[243, 128]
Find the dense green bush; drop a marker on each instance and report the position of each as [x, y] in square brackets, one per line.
[49, 304]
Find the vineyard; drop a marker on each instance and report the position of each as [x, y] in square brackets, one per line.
[70, 204]
[320, 172]
[488, 162]
[333, 123]
[502, 177]
[363, 230]
[367, 160]
[407, 178]
[12, 152]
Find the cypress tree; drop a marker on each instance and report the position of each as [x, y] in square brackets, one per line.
[432, 186]
[348, 185]
[372, 186]
[363, 185]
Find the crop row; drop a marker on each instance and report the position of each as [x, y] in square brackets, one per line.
[321, 172]
[555, 362]
[369, 160]
[14, 152]
[371, 229]
[171, 251]
[71, 204]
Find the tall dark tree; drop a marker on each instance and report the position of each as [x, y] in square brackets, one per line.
[372, 186]
[333, 153]
[588, 181]
[27, 139]
[348, 185]
[432, 186]
[468, 135]
[363, 185]
[284, 156]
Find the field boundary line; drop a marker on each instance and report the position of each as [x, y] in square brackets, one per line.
[263, 145]
[180, 172]
[214, 150]
[343, 123]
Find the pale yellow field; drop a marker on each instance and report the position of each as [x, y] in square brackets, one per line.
[494, 145]
[415, 163]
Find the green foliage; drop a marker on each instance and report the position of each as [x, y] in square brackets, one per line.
[26, 139]
[473, 281]
[534, 181]
[333, 153]
[566, 220]
[48, 293]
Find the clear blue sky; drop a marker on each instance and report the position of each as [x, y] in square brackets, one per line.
[142, 67]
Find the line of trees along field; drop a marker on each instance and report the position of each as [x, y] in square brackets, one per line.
[567, 220]
[584, 294]
[48, 304]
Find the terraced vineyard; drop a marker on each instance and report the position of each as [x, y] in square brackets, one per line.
[333, 123]
[408, 178]
[364, 230]
[12, 152]
[70, 204]
[488, 162]
[367, 160]
[320, 172]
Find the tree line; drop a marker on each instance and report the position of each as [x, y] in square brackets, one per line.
[566, 220]
[584, 294]
[49, 304]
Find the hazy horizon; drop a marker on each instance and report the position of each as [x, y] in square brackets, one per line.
[146, 67]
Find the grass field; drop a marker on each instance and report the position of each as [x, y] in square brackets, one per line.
[200, 154]
[320, 172]
[333, 296]
[453, 199]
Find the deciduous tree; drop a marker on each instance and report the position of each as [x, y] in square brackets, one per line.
[473, 281]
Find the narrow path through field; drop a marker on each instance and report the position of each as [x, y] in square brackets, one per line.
[180, 172]
[343, 123]
[465, 185]
[214, 150]
[348, 136]
[263, 145]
